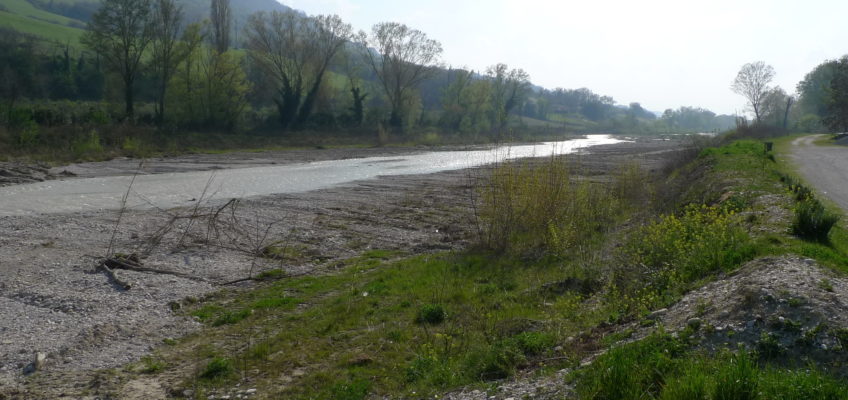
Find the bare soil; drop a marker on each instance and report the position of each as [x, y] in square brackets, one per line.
[54, 300]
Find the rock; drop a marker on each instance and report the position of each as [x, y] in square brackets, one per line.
[40, 360]
[657, 314]
[694, 323]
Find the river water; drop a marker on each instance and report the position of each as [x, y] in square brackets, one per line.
[182, 189]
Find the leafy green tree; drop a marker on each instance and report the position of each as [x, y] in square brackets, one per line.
[18, 66]
[209, 88]
[837, 110]
[509, 88]
[814, 89]
[453, 99]
[775, 108]
[120, 32]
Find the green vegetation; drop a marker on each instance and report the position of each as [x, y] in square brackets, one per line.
[428, 324]
[318, 85]
[812, 221]
[668, 370]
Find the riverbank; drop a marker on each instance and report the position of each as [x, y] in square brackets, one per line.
[703, 282]
[58, 303]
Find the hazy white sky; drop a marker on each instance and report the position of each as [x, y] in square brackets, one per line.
[662, 53]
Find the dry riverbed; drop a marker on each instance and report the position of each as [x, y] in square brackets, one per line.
[62, 319]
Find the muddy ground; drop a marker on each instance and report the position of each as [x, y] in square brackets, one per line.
[54, 301]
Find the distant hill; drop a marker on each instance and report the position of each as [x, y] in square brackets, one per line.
[63, 21]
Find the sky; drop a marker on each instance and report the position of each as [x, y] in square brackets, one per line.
[661, 53]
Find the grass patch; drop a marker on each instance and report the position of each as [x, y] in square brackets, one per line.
[667, 370]
[424, 324]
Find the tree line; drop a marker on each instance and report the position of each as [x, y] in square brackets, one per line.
[287, 72]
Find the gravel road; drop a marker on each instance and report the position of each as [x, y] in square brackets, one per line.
[824, 167]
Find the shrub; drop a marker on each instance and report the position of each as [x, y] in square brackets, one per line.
[87, 145]
[536, 210]
[28, 135]
[218, 367]
[431, 314]
[812, 221]
[664, 257]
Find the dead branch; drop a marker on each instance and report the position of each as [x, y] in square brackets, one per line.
[127, 264]
[114, 276]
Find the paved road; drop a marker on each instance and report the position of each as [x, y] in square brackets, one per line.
[823, 167]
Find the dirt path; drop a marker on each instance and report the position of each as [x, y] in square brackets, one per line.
[824, 167]
[54, 301]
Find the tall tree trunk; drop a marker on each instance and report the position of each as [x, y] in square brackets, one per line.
[128, 97]
[786, 113]
[309, 101]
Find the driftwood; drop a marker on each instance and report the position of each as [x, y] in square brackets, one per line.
[114, 276]
[131, 263]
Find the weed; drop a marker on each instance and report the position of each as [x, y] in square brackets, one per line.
[217, 368]
[812, 221]
[431, 314]
[152, 365]
[841, 335]
[738, 380]
[231, 317]
[826, 285]
[769, 346]
[356, 389]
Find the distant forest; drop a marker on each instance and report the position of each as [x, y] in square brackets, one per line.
[262, 68]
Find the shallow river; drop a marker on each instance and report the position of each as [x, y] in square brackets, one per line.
[181, 189]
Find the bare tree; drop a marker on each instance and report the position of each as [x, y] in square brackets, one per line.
[221, 20]
[167, 18]
[330, 35]
[120, 32]
[509, 86]
[401, 58]
[752, 82]
[296, 52]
